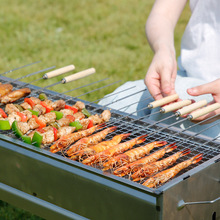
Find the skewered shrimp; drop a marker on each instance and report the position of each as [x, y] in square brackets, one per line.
[91, 140]
[133, 167]
[152, 168]
[166, 175]
[66, 140]
[115, 150]
[90, 151]
[132, 155]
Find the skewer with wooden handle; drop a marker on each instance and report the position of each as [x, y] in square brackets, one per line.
[78, 75]
[203, 111]
[175, 106]
[190, 108]
[163, 101]
[58, 72]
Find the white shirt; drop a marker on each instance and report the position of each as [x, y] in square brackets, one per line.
[200, 47]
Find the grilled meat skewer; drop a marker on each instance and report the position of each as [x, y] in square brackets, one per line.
[15, 95]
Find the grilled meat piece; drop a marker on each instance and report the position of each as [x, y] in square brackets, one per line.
[5, 89]
[9, 108]
[64, 122]
[104, 117]
[13, 117]
[40, 109]
[79, 105]
[48, 117]
[32, 124]
[15, 95]
[23, 126]
[25, 105]
[35, 100]
[65, 130]
[59, 104]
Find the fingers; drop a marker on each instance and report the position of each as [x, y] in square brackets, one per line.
[212, 88]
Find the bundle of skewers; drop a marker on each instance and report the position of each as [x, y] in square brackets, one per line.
[41, 122]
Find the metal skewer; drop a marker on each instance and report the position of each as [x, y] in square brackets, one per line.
[9, 71]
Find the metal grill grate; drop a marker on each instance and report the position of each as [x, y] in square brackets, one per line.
[132, 124]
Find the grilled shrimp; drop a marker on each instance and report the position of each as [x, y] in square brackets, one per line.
[132, 155]
[115, 150]
[66, 140]
[133, 167]
[90, 151]
[91, 140]
[152, 168]
[166, 175]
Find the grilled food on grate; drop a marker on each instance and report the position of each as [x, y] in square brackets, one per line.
[166, 175]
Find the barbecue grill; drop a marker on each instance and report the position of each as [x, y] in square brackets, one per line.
[55, 187]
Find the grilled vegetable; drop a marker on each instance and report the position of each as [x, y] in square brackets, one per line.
[22, 116]
[86, 112]
[76, 124]
[39, 122]
[4, 125]
[59, 115]
[16, 129]
[19, 107]
[48, 108]
[34, 112]
[2, 113]
[26, 139]
[71, 108]
[43, 97]
[30, 102]
[37, 139]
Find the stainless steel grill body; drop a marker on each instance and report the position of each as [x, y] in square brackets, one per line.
[55, 187]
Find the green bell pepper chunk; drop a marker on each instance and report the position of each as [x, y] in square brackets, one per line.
[76, 124]
[59, 115]
[16, 129]
[43, 97]
[26, 139]
[86, 112]
[34, 112]
[5, 125]
[37, 139]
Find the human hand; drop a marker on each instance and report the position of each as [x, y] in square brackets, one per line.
[161, 75]
[212, 88]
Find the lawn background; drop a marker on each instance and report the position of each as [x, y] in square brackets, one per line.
[107, 35]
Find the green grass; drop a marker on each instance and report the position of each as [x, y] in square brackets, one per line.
[107, 35]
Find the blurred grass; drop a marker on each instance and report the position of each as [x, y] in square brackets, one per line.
[107, 35]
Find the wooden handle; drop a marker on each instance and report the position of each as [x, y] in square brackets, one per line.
[190, 108]
[163, 101]
[58, 72]
[78, 75]
[175, 106]
[203, 111]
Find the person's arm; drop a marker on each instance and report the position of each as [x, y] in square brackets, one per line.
[208, 88]
[160, 25]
